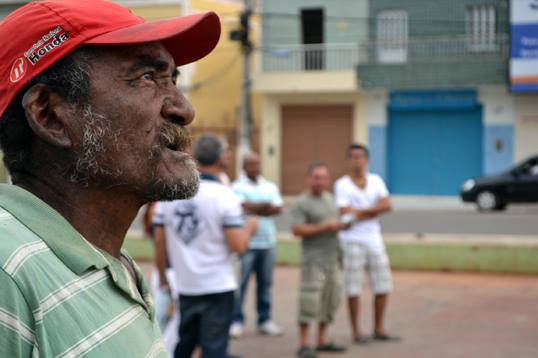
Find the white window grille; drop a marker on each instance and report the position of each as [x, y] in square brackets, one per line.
[392, 34]
[480, 27]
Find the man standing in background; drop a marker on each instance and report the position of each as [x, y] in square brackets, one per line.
[315, 221]
[365, 196]
[200, 236]
[259, 198]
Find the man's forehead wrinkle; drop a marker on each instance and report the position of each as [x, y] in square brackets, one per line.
[159, 63]
[144, 61]
[148, 55]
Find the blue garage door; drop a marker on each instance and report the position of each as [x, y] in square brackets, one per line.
[432, 152]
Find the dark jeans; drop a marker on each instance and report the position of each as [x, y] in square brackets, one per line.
[260, 262]
[205, 322]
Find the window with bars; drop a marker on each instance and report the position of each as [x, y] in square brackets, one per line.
[392, 33]
[480, 23]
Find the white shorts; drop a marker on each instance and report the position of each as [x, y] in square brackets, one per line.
[357, 258]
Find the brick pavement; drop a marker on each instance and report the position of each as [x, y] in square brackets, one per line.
[437, 315]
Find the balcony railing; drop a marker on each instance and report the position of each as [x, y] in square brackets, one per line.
[435, 49]
[345, 56]
[311, 57]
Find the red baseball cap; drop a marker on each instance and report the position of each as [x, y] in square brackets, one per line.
[40, 33]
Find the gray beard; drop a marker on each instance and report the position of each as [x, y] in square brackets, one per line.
[185, 188]
[89, 166]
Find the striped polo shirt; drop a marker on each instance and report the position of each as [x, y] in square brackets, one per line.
[62, 297]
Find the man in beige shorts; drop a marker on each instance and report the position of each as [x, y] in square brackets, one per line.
[364, 196]
[315, 221]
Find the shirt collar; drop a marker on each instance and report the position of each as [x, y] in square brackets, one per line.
[246, 179]
[210, 177]
[62, 238]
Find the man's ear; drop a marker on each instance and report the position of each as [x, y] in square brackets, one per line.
[48, 115]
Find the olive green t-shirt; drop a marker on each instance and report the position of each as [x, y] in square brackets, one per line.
[309, 209]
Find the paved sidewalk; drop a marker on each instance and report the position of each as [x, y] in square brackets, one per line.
[471, 239]
[437, 315]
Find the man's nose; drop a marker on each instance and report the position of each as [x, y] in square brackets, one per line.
[177, 109]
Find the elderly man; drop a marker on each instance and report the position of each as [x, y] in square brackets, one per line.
[91, 126]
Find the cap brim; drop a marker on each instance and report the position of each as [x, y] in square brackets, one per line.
[187, 38]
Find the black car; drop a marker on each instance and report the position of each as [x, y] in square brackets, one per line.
[518, 185]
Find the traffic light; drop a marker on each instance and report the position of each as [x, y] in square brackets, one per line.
[242, 35]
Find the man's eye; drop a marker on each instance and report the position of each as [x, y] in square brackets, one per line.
[148, 76]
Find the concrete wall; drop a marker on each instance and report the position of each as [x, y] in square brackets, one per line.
[7, 9]
[424, 69]
[282, 20]
[437, 17]
[498, 120]
[271, 131]
[344, 22]
[526, 126]
[306, 82]
[152, 12]
[376, 109]
[427, 75]
[512, 119]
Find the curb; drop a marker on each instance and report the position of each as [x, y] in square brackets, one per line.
[431, 252]
[458, 253]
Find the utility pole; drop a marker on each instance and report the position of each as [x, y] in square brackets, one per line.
[244, 129]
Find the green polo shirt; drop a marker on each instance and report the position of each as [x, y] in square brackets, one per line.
[62, 297]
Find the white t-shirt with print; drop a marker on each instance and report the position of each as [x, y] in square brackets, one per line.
[195, 242]
[348, 194]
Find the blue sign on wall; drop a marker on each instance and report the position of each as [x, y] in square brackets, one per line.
[524, 45]
[411, 100]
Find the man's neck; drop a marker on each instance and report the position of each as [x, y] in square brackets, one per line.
[253, 178]
[316, 193]
[210, 169]
[101, 216]
[358, 174]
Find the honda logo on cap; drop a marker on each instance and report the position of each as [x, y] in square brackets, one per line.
[18, 70]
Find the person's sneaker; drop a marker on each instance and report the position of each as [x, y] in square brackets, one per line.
[270, 328]
[306, 352]
[236, 330]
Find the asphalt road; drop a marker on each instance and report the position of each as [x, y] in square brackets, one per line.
[516, 220]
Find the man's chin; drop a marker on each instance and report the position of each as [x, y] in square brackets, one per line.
[182, 189]
[184, 186]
